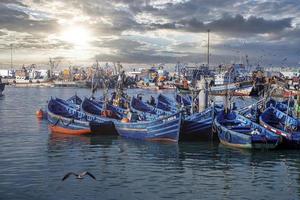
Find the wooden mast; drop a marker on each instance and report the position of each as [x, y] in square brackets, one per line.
[208, 31]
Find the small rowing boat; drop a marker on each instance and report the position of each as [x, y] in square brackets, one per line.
[195, 125]
[67, 119]
[237, 131]
[134, 125]
[282, 124]
[162, 129]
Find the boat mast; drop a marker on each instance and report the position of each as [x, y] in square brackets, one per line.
[208, 31]
[119, 86]
[178, 69]
[227, 95]
[11, 56]
[105, 93]
[297, 104]
[94, 86]
[287, 112]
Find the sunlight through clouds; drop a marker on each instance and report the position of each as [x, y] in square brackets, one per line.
[174, 29]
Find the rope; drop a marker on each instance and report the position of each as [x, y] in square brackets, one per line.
[214, 129]
[56, 122]
[67, 124]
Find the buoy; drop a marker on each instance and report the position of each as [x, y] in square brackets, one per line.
[39, 114]
[125, 120]
[104, 113]
[107, 113]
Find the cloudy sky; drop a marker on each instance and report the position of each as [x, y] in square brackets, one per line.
[150, 31]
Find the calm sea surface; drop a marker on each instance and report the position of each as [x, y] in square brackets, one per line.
[33, 161]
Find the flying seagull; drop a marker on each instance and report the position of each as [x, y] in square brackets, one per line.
[78, 176]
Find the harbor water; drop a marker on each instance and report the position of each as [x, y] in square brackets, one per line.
[33, 162]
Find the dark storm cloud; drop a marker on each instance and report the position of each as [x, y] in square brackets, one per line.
[148, 57]
[265, 24]
[35, 42]
[251, 25]
[17, 20]
[122, 44]
[190, 16]
[185, 16]
[230, 24]
[129, 51]
[16, 2]
[180, 10]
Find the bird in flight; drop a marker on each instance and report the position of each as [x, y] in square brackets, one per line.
[78, 176]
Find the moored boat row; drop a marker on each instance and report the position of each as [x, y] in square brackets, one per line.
[265, 125]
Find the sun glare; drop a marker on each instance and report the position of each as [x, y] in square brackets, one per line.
[78, 36]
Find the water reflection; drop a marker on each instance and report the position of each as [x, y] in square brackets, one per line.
[33, 161]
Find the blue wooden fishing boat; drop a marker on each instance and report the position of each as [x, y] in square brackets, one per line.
[141, 106]
[74, 100]
[96, 108]
[67, 119]
[237, 131]
[2, 86]
[252, 111]
[165, 103]
[185, 100]
[162, 129]
[130, 124]
[284, 106]
[196, 125]
[282, 124]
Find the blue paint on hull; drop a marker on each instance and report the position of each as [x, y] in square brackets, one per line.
[167, 129]
[282, 124]
[237, 131]
[195, 126]
[61, 113]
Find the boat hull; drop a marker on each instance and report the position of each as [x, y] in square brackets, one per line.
[165, 129]
[289, 140]
[66, 118]
[198, 126]
[239, 133]
[63, 125]
[59, 129]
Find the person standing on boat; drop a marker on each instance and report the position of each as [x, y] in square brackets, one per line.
[132, 116]
[152, 101]
[185, 83]
[139, 96]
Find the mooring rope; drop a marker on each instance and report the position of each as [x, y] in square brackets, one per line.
[67, 124]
